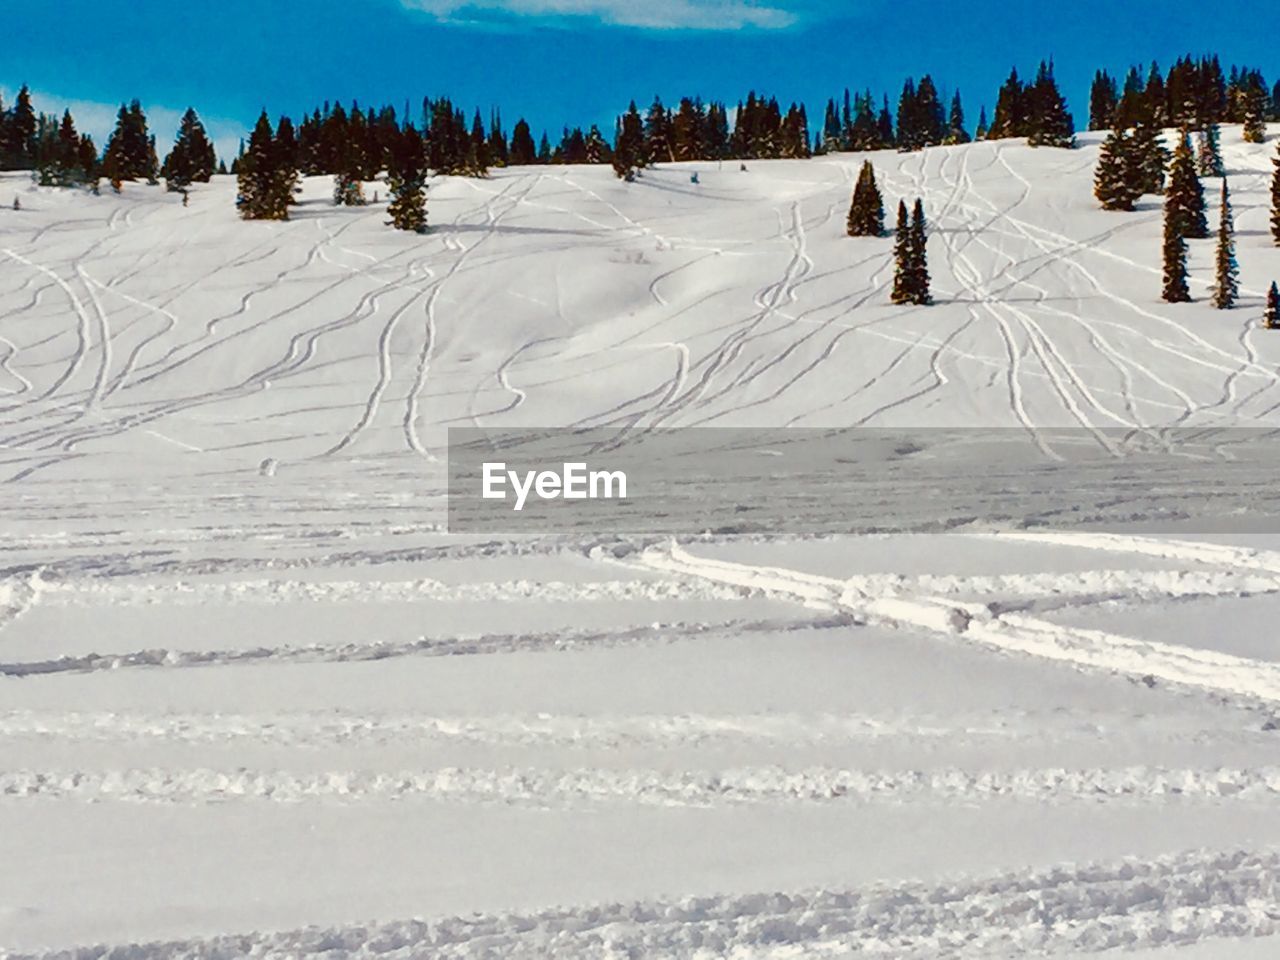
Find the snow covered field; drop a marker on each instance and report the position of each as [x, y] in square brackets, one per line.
[256, 700]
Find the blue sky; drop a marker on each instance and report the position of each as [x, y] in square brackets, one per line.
[580, 61]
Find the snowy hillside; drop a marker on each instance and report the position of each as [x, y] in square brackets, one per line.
[256, 700]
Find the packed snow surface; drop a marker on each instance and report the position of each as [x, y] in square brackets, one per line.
[257, 700]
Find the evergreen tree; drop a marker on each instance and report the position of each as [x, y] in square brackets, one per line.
[1010, 116]
[1255, 114]
[956, 132]
[1049, 123]
[630, 152]
[130, 152]
[1117, 182]
[1271, 319]
[407, 177]
[1175, 255]
[266, 180]
[18, 151]
[1148, 157]
[522, 152]
[597, 150]
[884, 125]
[498, 151]
[1227, 285]
[1275, 197]
[192, 158]
[657, 133]
[348, 190]
[58, 157]
[919, 275]
[902, 260]
[980, 132]
[1209, 156]
[1103, 100]
[1184, 197]
[866, 212]
[687, 130]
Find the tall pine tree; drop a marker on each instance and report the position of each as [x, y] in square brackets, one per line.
[1275, 197]
[1227, 284]
[1175, 256]
[902, 264]
[919, 257]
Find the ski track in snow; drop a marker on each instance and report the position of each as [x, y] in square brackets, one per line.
[1071, 908]
[555, 788]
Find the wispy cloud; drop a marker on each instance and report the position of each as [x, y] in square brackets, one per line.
[643, 14]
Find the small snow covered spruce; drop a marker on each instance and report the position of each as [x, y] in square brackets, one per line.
[1115, 182]
[866, 212]
[1271, 318]
[407, 173]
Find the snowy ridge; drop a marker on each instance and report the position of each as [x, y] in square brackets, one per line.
[1076, 908]
[1011, 632]
[556, 788]
[479, 644]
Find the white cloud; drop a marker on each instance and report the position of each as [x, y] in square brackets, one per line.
[99, 119]
[648, 14]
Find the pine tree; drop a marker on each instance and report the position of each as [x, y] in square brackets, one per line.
[956, 132]
[407, 176]
[1185, 196]
[1255, 114]
[1050, 123]
[192, 158]
[1175, 256]
[1271, 319]
[919, 258]
[902, 260]
[130, 152]
[1227, 286]
[266, 179]
[18, 151]
[1148, 157]
[1116, 182]
[980, 132]
[629, 151]
[522, 152]
[1010, 116]
[866, 212]
[1209, 156]
[1103, 100]
[1275, 197]
[657, 133]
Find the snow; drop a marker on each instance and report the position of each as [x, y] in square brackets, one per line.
[256, 699]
